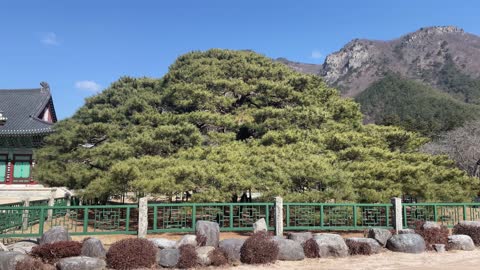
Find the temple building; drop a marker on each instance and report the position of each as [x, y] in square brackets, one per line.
[26, 116]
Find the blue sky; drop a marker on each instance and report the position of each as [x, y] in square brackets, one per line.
[81, 47]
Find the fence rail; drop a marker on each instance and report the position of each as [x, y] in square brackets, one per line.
[17, 220]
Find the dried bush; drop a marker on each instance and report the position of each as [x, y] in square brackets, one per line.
[51, 253]
[188, 257]
[201, 239]
[218, 257]
[359, 248]
[472, 231]
[259, 248]
[33, 264]
[432, 235]
[311, 248]
[131, 253]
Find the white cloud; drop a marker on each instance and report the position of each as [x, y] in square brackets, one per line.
[316, 54]
[50, 39]
[88, 85]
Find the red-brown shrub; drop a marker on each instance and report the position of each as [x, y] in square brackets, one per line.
[432, 235]
[188, 257]
[472, 231]
[218, 257]
[311, 248]
[358, 248]
[51, 253]
[30, 263]
[131, 253]
[259, 248]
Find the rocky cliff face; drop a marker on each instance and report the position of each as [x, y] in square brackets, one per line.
[419, 55]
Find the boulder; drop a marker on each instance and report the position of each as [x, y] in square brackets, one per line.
[380, 235]
[300, 237]
[163, 243]
[81, 263]
[431, 225]
[168, 257]
[406, 231]
[9, 259]
[23, 247]
[374, 245]
[93, 247]
[232, 248]
[440, 248]
[460, 242]
[289, 250]
[470, 223]
[407, 243]
[260, 226]
[202, 254]
[331, 245]
[188, 239]
[55, 234]
[211, 230]
[3, 247]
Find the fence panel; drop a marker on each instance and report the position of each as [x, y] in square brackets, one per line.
[230, 216]
[78, 220]
[324, 216]
[447, 214]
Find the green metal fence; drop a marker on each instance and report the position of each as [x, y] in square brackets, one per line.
[32, 221]
[324, 216]
[447, 214]
[229, 216]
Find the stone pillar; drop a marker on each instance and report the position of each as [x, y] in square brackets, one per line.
[51, 203]
[69, 203]
[142, 217]
[397, 214]
[26, 203]
[279, 216]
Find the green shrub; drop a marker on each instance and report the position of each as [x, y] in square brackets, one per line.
[259, 249]
[33, 264]
[358, 248]
[432, 235]
[218, 257]
[311, 248]
[131, 253]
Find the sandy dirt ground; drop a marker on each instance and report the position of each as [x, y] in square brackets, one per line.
[452, 260]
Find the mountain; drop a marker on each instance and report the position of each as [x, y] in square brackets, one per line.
[439, 59]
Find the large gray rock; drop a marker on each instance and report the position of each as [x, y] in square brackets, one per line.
[93, 247]
[331, 245]
[81, 263]
[289, 250]
[202, 255]
[260, 226]
[209, 229]
[55, 234]
[300, 237]
[23, 247]
[406, 231]
[168, 257]
[188, 239]
[232, 248]
[431, 225]
[374, 245]
[407, 243]
[460, 242]
[380, 235]
[470, 223]
[9, 259]
[163, 243]
[3, 247]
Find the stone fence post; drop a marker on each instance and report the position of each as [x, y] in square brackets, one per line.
[142, 217]
[26, 203]
[51, 203]
[279, 216]
[397, 213]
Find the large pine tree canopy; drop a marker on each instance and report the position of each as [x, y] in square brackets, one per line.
[222, 122]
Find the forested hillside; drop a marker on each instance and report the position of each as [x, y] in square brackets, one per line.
[222, 122]
[415, 106]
